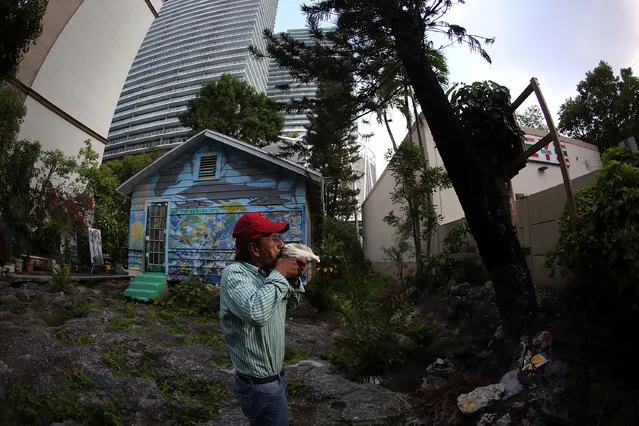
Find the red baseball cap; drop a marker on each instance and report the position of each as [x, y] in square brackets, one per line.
[255, 225]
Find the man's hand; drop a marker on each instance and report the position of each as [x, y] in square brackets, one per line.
[292, 269]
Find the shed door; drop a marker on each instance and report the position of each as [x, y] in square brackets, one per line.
[156, 237]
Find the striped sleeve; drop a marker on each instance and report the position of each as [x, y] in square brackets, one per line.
[252, 304]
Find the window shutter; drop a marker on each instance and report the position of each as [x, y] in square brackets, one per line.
[208, 166]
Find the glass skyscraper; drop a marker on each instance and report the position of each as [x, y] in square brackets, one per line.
[295, 122]
[191, 42]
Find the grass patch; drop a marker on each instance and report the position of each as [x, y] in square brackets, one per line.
[16, 307]
[85, 339]
[421, 333]
[297, 355]
[119, 324]
[93, 412]
[200, 391]
[206, 336]
[82, 306]
[115, 360]
[222, 363]
[22, 407]
[296, 387]
[127, 309]
[177, 329]
[61, 335]
[57, 318]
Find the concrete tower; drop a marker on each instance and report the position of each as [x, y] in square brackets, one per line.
[73, 75]
[192, 41]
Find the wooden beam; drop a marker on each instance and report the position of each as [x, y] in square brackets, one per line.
[520, 100]
[572, 206]
[536, 147]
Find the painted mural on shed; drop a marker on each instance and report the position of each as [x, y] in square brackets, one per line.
[185, 204]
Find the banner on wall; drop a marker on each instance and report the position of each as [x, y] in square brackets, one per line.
[95, 246]
[547, 153]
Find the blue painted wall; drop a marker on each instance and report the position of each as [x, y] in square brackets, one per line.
[202, 213]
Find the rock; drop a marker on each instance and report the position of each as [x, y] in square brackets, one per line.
[555, 412]
[539, 421]
[5, 372]
[489, 285]
[24, 294]
[9, 300]
[480, 398]
[335, 400]
[487, 419]
[499, 334]
[437, 373]
[149, 411]
[504, 421]
[511, 384]
[461, 289]
[455, 419]
[519, 406]
[556, 369]
[229, 416]
[313, 337]
[402, 343]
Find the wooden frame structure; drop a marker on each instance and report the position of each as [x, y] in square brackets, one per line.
[552, 136]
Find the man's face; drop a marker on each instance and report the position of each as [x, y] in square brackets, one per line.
[269, 249]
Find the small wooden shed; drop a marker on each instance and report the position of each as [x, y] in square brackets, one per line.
[185, 204]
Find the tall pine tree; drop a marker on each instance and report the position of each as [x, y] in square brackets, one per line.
[371, 40]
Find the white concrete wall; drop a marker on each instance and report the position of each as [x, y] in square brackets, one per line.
[584, 158]
[53, 132]
[377, 234]
[84, 71]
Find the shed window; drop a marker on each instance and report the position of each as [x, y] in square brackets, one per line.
[208, 167]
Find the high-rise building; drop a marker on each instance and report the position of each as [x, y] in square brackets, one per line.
[366, 166]
[191, 42]
[295, 122]
[73, 74]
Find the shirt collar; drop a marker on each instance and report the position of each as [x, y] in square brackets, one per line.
[256, 270]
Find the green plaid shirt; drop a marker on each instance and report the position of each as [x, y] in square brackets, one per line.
[252, 314]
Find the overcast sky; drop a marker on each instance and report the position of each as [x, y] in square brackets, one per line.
[557, 41]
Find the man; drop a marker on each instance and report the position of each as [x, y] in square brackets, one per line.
[254, 294]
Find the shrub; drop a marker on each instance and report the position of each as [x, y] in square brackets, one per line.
[602, 250]
[61, 279]
[189, 297]
[367, 349]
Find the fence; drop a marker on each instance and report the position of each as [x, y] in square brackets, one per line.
[537, 226]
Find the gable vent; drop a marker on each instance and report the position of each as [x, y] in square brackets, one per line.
[208, 166]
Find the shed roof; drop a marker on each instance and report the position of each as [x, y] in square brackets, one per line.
[314, 177]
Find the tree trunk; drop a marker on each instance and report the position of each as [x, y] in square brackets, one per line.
[417, 120]
[390, 133]
[474, 184]
[409, 120]
[417, 241]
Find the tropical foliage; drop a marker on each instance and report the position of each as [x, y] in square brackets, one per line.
[234, 108]
[606, 108]
[20, 25]
[533, 118]
[415, 183]
[602, 248]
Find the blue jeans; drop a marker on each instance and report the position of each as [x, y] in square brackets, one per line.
[263, 404]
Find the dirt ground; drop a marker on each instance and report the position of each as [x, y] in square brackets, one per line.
[93, 357]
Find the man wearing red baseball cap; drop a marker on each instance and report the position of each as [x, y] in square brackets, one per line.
[254, 294]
